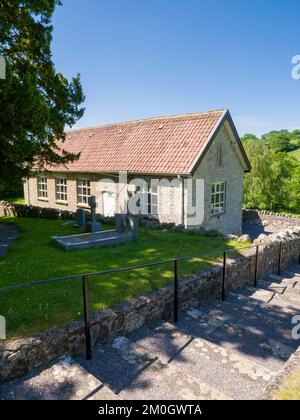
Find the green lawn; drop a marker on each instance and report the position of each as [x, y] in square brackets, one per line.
[33, 257]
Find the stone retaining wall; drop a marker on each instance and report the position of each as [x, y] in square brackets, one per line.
[278, 382]
[19, 357]
[273, 221]
[22, 210]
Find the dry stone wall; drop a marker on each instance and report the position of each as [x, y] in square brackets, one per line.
[271, 221]
[19, 357]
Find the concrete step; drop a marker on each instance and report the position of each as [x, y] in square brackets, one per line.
[167, 381]
[261, 322]
[209, 363]
[63, 380]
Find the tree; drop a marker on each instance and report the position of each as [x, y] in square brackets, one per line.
[282, 141]
[36, 102]
[271, 183]
[248, 137]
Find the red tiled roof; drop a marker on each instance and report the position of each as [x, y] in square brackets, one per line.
[164, 145]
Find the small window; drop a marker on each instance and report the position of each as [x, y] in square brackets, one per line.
[83, 191]
[61, 189]
[154, 200]
[42, 188]
[218, 198]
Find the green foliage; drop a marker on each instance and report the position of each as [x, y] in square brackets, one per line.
[278, 141]
[33, 257]
[248, 138]
[274, 182]
[36, 102]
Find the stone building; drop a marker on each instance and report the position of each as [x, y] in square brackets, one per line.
[187, 169]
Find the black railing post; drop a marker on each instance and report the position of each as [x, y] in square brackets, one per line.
[279, 258]
[87, 325]
[224, 276]
[256, 266]
[176, 292]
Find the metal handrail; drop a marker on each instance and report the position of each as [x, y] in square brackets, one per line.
[117, 270]
[175, 261]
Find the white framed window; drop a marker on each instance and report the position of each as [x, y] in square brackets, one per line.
[42, 188]
[148, 201]
[83, 191]
[154, 200]
[218, 198]
[61, 189]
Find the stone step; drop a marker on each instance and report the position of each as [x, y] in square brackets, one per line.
[282, 312]
[63, 380]
[285, 303]
[134, 372]
[293, 269]
[269, 296]
[261, 322]
[229, 371]
[168, 382]
[281, 281]
[248, 343]
[295, 276]
[289, 291]
[117, 366]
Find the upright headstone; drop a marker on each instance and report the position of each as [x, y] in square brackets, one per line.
[80, 217]
[126, 223]
[93, 225]
[134, 225]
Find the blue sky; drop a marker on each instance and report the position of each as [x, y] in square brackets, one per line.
[144, 58]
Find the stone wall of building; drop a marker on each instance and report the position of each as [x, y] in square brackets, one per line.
[222, 164]
[19, 357]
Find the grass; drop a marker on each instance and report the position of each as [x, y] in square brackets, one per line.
[33, 257]
[291, 388]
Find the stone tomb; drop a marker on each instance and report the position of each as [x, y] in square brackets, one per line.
[126, 231]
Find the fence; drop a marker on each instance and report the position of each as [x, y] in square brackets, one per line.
[86, 277]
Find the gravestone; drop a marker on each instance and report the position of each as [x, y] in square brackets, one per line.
[126, 223]
[93, 225]
[80, 217]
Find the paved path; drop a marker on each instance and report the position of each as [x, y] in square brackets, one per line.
[8, 235]
[219, 351]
